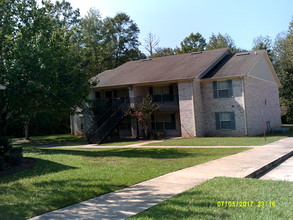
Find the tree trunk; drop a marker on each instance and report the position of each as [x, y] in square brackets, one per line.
[26, 128]
[146, 132]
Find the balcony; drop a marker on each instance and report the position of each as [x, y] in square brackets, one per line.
[166, 102]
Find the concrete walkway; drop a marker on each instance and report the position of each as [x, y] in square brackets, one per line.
[132, 200]
[284, 171]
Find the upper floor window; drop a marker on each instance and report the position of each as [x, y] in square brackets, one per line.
[163, 93]
[223, 89]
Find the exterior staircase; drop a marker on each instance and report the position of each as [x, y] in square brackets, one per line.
[99, 131]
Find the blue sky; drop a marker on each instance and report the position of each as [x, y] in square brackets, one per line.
[173, 20]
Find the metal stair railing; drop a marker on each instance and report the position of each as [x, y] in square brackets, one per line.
[102, 127]
[91, 131]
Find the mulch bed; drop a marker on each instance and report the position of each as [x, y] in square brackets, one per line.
[27, 163]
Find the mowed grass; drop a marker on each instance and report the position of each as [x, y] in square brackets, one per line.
[201, 202]
[221, 141]
[63, 177]
[225, 141]
[217, 141]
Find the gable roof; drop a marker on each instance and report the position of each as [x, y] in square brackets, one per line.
[210, 64]
[168, 68]
[232, 65]
[254, 63]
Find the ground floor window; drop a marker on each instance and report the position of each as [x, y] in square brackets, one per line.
[225, 120]
[125, 124]
[163, 122]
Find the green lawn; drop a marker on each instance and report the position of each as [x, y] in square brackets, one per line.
[221, 141]
[63, 177]
[201, 202]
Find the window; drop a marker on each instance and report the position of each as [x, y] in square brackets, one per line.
[225, 120]
[163, 93]
[81, 123]
[223, 89]
[163, 122]
[125, 124]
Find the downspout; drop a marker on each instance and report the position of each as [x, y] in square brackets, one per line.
[244, 107]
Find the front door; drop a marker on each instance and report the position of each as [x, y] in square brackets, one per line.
[108, 95]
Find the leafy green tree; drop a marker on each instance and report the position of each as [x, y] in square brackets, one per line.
[121, 41]
[192, 43]
[8, 24]
[92, 40]
[284, 67]
[43, 72]
[108, 43]
[263, 43]
[221, 41]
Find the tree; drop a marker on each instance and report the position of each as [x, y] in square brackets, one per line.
[120, 41]
[92, 40]
[192, 43]
[263, 43]
[143, 112]
[284, 67]
[108, 43]
[167, 51]
[8, 24]
[151, 41]
[43, 72]
[221, 41]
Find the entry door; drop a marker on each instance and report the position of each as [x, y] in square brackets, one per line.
[108, 95]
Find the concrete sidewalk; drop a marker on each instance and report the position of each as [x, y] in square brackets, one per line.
[132, 200]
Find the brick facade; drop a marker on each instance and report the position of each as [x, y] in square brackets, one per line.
[262, 105]
[212, 105]
[186, 108]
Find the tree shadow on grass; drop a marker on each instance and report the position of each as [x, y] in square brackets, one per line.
[48, 198]
[193, 205]
[166, 153]
[117, 205]
[41, 167]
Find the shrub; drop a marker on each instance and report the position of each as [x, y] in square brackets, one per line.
[157, 135]
[15, 155]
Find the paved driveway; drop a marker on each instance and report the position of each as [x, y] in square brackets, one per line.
[282, 172]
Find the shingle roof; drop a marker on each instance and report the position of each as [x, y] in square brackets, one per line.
[238, 64]
[168, 68]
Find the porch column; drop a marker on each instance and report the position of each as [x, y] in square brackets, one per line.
[186, 108]
[133, 120]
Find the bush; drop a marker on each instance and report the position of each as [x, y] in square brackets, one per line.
[1, 163]
[15, 155]
[157, 135]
